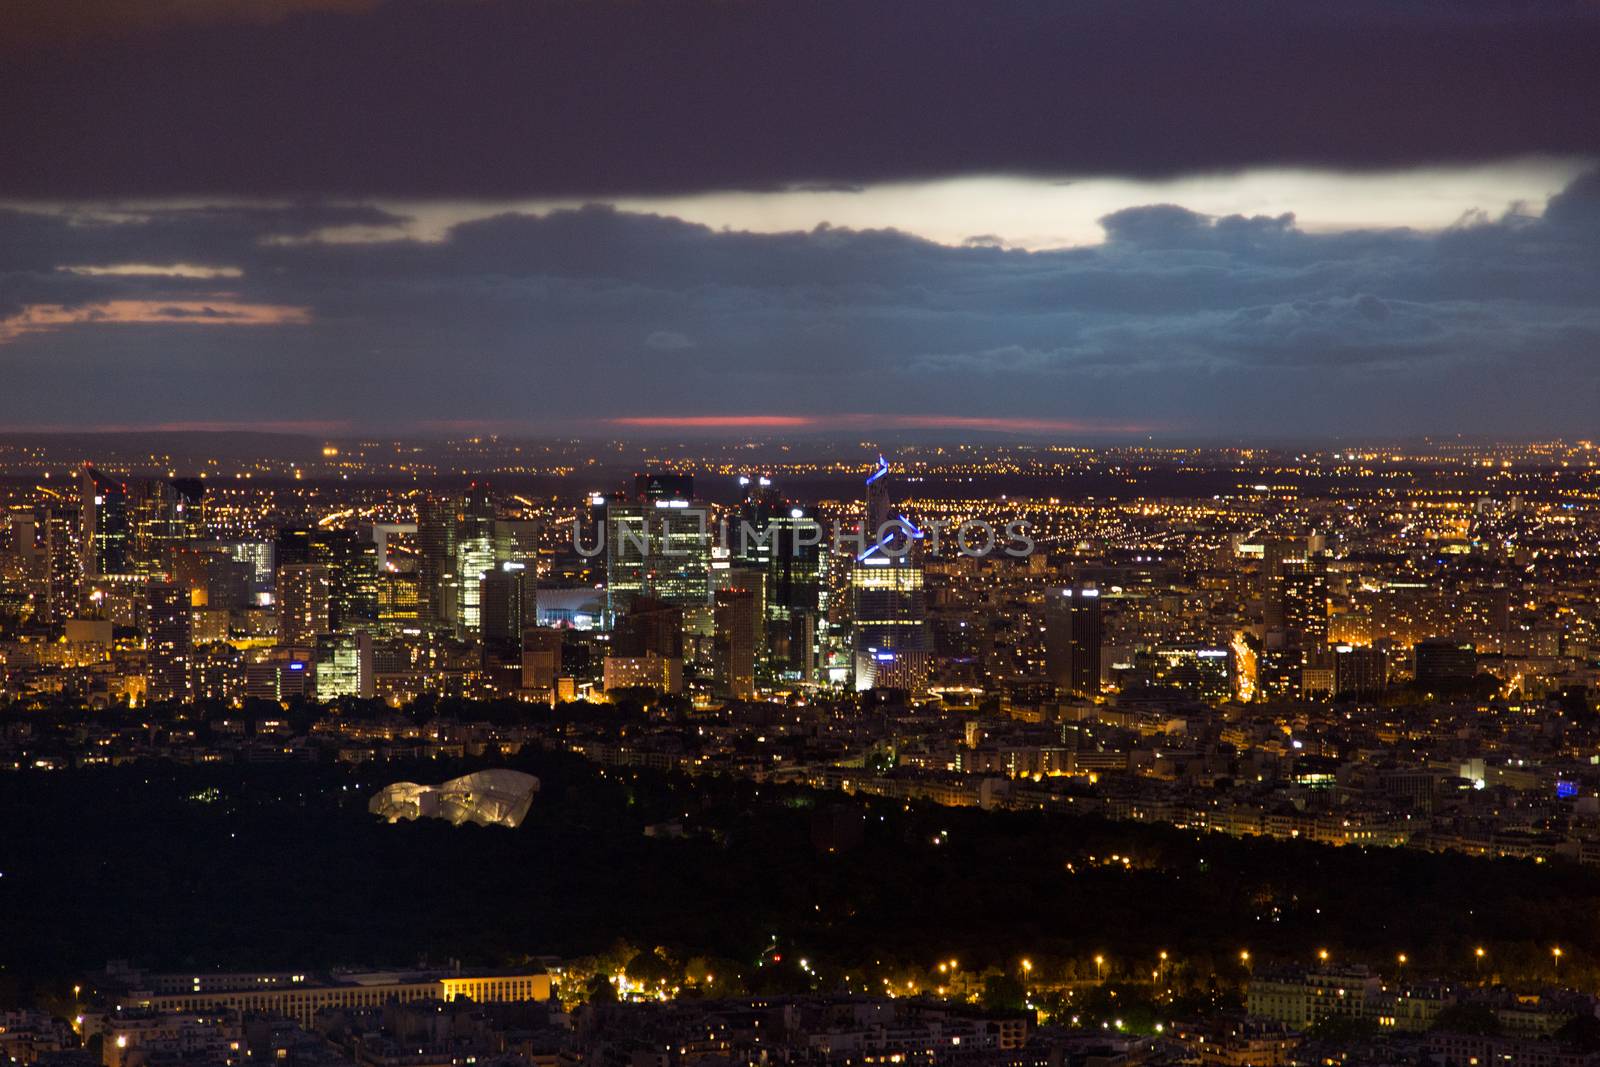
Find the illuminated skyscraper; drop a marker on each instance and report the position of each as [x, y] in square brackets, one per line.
[305, 603]
[1296, 601]
[658, 544]
[352, 565]
[217, 672]
[59, 526]
[344, 666]
[400, 603]
[1201, 672]
[475, 555]
[163, 513]
[474, 560]
[891, 639]
[736, 634]
[166, 641]
[787, 542]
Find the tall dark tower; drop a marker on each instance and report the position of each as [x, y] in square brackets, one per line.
[438, 530]
[786, 543]
[1072, 641]
[103, 515]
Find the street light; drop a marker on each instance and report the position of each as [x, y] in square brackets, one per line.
[1322, 954]
[1099, 962]
[1556, 952]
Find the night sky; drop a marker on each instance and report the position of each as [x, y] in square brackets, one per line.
[1240, 220]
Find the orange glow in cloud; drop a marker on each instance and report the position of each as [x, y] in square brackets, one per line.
[37, 318]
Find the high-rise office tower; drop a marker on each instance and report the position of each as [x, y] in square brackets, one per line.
[352, 565]
[797, 593]
[658, 544]
[1445, 662]
[344, 665]
[1073, 641]
[166, 641]
[475, 555]
[305, 603]
[438, 528]
[400, 603]
[737, 630]
[628, 548]
[353, 571]
[650, 627]
[541, 663]
[647, 647]
[459, 541]
[163, 513]
[889, 616]
[260, 556]
[214, 578]
[1360, 672]
[1199, 671]
[787, 543]
[1295, 600]
[63, 562]
[217, 672]
[517, 541]
[508, 604]
[22, 555]
[891, 639]
[103, 516]
[474, 560]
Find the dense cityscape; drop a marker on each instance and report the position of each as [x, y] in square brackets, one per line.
[799, 533]
[1128, 652]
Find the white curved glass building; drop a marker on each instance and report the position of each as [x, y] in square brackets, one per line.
[496, 797]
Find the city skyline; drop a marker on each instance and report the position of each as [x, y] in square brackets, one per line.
[799, 533]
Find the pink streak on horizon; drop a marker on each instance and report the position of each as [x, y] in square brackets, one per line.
[999, 423]
[1013, 424]
[705, 422]
[310, 427]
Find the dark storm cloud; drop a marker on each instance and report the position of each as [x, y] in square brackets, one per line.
[30, 24]
[1233, 326]
[593, 97]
